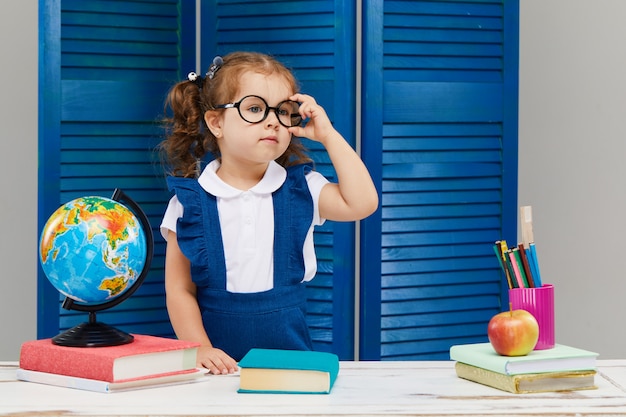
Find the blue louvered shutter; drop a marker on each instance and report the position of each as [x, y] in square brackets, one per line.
[105, 69]
[440, 136]
[316, 40]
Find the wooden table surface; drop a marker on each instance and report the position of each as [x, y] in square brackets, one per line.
[419, 388]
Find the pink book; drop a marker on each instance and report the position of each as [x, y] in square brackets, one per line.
[145, 357]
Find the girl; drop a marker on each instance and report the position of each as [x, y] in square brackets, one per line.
[240, 234]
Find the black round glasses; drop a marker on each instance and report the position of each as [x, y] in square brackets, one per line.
[254, 109]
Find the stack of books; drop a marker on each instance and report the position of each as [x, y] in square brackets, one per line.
[147, 361]
[562, 368]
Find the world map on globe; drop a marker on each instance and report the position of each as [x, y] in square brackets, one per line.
[92, 249]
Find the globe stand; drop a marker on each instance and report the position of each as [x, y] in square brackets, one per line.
[92, 334]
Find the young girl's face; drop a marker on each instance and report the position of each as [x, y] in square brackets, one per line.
[255, 143]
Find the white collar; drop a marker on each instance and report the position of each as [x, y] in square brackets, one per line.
[273, 178]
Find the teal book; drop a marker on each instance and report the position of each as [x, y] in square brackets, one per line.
[560, 358]
[287, 371]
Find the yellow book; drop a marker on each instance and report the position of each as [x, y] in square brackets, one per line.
[528, 383]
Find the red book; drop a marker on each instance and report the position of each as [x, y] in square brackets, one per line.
[145, 356]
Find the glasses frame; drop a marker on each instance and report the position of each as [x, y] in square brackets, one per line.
[237, 105]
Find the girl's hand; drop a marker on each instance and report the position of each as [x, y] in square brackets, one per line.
[215, 360]
[318, 127]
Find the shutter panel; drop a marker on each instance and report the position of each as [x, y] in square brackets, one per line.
[438, 92]
[109, 65]
[315, 40]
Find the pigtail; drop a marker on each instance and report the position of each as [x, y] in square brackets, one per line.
[187, 138]
[185, 130]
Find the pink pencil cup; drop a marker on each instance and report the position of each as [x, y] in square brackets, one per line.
[540, 303]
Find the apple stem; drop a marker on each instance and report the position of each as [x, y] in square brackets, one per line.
[511, 309]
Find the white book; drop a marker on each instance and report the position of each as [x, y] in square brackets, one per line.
[108, 387]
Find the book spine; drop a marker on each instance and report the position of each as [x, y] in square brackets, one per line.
[53, 359]
[493, 363]
[108, 387]
[491, 379]
[62, 380]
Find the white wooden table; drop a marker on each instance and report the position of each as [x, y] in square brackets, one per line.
[362, 389]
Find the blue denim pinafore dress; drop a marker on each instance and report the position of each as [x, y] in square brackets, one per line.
[237, 322]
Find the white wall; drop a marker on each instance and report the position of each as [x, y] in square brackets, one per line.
[18, 175]
[572, 141]
[572, 168]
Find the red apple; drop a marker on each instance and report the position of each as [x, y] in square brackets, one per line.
[513, 332]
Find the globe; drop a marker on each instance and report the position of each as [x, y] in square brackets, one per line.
[95, 251]
[92, 249]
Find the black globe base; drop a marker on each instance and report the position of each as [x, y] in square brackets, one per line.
[92, 334]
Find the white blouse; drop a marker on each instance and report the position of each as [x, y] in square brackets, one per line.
[247, 225]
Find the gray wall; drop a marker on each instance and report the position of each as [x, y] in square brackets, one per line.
[572, 141]
[18, 175]
[572, 145]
